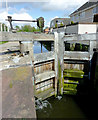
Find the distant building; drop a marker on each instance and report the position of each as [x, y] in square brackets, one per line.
[59, 24]
[87, 13]
[47, 30]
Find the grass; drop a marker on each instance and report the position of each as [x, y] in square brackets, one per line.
[2, 42]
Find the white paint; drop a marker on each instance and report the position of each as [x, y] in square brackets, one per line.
[1, 26]
[82, 29]
[4, 28]
[87, 28]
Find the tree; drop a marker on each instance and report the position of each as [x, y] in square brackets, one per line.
[27, 28]
[17, 27]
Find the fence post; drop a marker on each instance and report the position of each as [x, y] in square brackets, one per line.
[1, 26]
[27, 47]
[4, 28]
[59, 62]
[7, 28]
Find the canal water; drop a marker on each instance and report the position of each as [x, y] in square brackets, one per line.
[68, 107]
[82, 107]
[45, 47]
[37, 48]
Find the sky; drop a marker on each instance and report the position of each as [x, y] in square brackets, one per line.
[32, 9]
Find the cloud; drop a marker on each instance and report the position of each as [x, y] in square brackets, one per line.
[21, 16]
[48, 5]
[43, 5]
[61, 4]
[3, 16]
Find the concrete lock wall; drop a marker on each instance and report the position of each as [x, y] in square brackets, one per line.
[17, 93]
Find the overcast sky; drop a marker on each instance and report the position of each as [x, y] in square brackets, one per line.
[32, 9]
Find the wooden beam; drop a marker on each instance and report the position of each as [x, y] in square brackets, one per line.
[75, 55]
[91, 36]
[23, 36]
[43, 57]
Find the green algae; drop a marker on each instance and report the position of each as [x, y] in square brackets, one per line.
[70, 86]
[70, 92]
[60, 78]
[11, 84]
[73, 73]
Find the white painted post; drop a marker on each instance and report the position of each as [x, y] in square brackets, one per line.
[92, 46]
[1, 27]
[8, 29]
[4, 28]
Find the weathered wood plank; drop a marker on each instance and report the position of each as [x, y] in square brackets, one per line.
[24, 36]
[76, 55]
[92, 36]
[42, 57]
[44, 76]
[86, 42]
[45, 94]
[59, 57]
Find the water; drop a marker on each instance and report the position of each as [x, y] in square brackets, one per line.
[37, 48]
[67, 107]
[77, 107]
